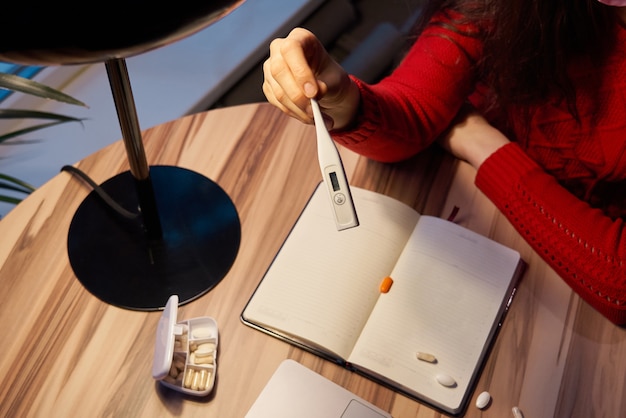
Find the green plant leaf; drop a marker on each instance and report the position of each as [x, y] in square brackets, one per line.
[32, 114]
[15, 180]
[9, 199]
[14, 185]
[13, 134]
[35, 114]
[28, 86]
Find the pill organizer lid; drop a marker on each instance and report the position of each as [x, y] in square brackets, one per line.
[164, 347]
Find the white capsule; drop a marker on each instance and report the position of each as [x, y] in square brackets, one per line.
[483, 400]
[517, 413]
[445, 380]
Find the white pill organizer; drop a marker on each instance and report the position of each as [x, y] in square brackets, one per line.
[185, 352]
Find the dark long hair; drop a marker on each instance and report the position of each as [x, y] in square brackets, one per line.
[528, 44]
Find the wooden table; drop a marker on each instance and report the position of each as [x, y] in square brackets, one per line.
[64, 353]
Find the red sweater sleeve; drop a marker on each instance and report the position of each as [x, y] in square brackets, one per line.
[405, 112]
[585, 247]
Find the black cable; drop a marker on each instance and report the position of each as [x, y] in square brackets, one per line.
[100, 192]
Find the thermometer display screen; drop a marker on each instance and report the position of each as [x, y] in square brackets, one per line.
[334, 181]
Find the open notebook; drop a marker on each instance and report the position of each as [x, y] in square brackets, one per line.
[450, 288]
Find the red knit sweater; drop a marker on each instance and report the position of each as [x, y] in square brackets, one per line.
[561, 184]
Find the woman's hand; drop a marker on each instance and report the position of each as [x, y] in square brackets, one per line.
[299, 68]
[472, 138]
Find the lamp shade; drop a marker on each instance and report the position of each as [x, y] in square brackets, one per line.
[44, 32]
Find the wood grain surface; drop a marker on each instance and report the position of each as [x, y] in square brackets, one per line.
[64, 353]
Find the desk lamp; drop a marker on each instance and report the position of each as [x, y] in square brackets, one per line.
[185, 232]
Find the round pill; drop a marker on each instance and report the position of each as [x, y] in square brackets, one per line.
[445, 380]
[483, 400]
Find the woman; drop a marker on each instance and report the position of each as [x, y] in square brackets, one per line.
[532, 93]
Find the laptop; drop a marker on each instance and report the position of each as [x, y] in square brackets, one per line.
[296, 391]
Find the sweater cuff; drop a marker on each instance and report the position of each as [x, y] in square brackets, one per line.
[366, 122]
[504, 168]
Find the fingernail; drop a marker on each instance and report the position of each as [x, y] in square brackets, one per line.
[309, 90]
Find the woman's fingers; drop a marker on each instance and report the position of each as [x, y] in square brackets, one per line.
[290, 73]
[284, 94]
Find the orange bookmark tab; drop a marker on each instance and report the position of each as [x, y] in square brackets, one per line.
[385, 285]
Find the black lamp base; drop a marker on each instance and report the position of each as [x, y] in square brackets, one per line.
[115, 261]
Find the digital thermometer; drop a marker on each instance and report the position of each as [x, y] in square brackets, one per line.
[333, 174]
